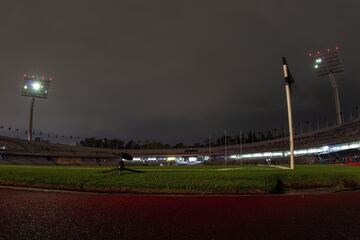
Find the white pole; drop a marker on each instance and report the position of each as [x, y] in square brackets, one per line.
[226, 160]
[240, 152]
[288, 99]
[210, 150]
[291, 137]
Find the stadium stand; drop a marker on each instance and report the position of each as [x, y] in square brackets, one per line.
[19, 151]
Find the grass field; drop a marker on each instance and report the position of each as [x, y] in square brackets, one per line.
[184, 179]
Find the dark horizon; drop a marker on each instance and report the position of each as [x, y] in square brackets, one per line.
[173, 71]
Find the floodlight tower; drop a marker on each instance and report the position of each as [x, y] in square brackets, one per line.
[34, 87]
[329, 63]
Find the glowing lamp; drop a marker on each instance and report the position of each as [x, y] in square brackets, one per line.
[36, 86]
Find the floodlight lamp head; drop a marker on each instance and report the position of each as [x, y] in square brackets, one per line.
[36, 86]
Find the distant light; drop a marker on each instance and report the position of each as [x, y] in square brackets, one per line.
[337, 48]
[319, 60]
[33, 76]
[310, 54]
[36, 86]
[25, 87]
[192, 159]
[318, 52]
[325, 148]
[316, 66]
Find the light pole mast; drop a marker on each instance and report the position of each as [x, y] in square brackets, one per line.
[335, 88]
[31, 119]
[34, 87]
[329, 63]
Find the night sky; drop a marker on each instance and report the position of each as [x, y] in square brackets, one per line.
[173, 70]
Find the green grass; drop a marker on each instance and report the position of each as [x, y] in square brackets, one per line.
[183, 179]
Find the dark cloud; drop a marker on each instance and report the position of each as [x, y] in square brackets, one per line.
[173, 70]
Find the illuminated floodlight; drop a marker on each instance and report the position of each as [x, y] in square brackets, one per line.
[327, 62]
[36, 86]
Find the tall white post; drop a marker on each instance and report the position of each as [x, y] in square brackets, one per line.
[240, 150]
[288, 100]
[291, 136]
[226, 159]
[210, 149]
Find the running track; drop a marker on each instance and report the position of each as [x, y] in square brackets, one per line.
[63, 215]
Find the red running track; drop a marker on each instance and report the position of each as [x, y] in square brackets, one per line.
[55, 215]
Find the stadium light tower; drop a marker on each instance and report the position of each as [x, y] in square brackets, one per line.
[329, 63]
[34, 87]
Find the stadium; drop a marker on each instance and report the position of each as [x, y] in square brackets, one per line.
[335, 144]
[182, 120]
[256, 167]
